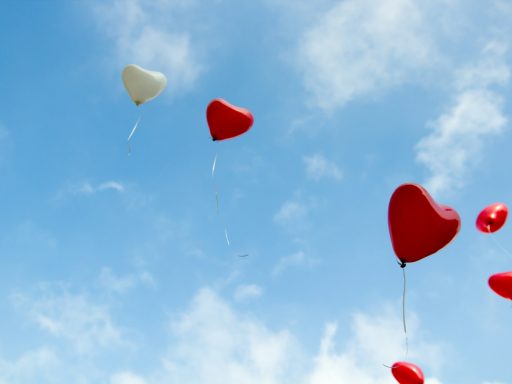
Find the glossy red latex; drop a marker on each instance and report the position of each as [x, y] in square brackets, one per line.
[227, 121]
[492, 218]
[418, 226]
[501, 283]
[407, 373]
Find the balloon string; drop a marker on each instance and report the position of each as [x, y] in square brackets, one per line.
[214, 164]
[227, 238]
[131, 134]
[497, 243]
[402, 265]
[216, 192]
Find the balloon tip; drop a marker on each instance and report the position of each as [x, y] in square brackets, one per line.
[214, 138]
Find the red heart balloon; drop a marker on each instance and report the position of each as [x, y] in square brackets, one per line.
[501, 283]
[407, 373]
[492, 218]
[226, 121]
[418, 226]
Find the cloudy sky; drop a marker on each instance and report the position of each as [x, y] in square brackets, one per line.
[115, 267]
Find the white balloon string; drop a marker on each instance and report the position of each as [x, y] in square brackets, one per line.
[131, 134]
[217, 204]
[497, 243]
[217, 199]
[214, 164]
[227, 238]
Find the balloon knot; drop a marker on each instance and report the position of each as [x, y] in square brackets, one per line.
[214, 138]
[402, 264]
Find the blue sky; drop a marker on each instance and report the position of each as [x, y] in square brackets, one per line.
[115, 267]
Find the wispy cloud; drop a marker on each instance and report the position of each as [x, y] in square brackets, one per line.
[296, 260]
[127, 378]
[214, 343]
[32, 366]
[291, 210]
[86, 325]
[247, 292]
[123, 284]
[318, 167]
[394, 41]
[154, 35]
[455, 145]
[86, 188]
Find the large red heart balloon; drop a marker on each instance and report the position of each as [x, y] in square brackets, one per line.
[501, 283]
[407, 373]
[226, 121]
[492, 218]
[418, 226]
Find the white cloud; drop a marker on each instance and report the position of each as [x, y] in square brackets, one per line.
[127, 378]
[86, 188]
[122, 284]
[110, 185]
[31, 367]
[455, 145]
[247, 292]
[296, 260]
[87, 326]
[216, 344]
[318, 167]
[212, 342]
[291, 211]
[362, 47]
[149, 34]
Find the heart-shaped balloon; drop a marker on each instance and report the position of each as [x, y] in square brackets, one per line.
[501, 283]
[418, 226]
[492, 218]
[143, 85]
[226, 121]
[407, 373]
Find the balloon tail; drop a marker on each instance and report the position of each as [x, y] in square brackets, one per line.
[217, 201]
[227, 238]
[402, 265]
[131, 134]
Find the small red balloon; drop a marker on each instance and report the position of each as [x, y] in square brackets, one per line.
[418, 226]
[226, 120]
[492, 218]
[407, 373]
[501, 283]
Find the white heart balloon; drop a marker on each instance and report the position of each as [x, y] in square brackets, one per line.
[143, 85]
